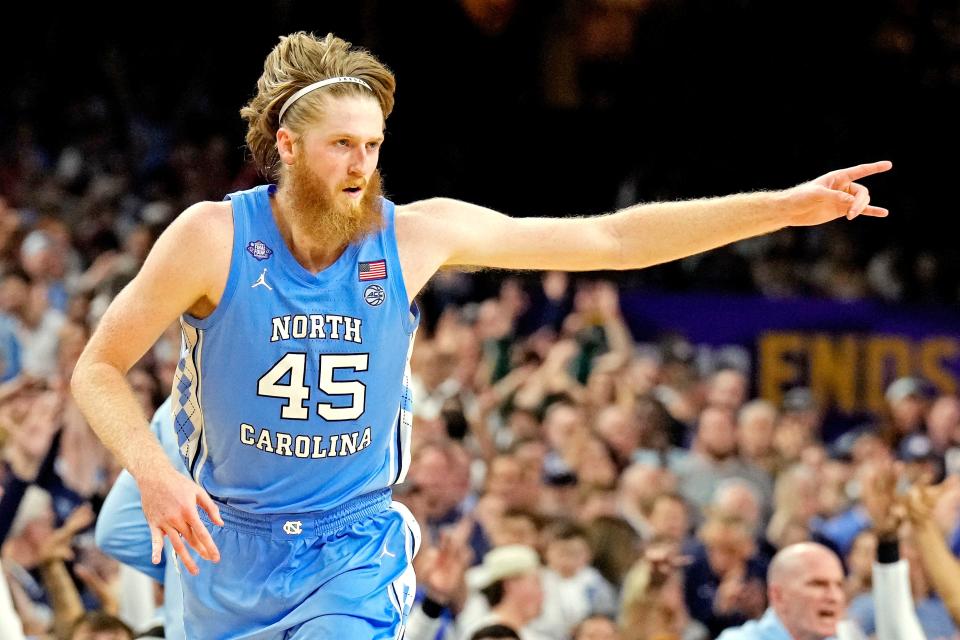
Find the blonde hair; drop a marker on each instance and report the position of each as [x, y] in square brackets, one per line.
[298, 60]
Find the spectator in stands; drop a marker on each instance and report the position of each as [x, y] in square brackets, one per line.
[860, 565]
[907, 403]
[943, 423]
[714, 458]
[652, 597]
[727, 388]
[509, 579]
[495, 632]
[805, 589]
[940, 563]
[573, 589]
[668, 517]
[801, 408]
[737, 498]
[100, 626]
[724, 584]
[756, 421]
[639, 484]
[619, 430]
[596, 628]
[615, 547]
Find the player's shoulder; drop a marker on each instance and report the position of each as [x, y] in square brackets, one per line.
[422, 216]
[208, 216]
[429, 206]
[193, 253]
[202, 229]
[201, 226]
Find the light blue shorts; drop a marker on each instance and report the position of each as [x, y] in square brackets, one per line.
[344, 573]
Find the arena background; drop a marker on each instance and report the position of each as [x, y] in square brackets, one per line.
[539, 418]
[558, 108]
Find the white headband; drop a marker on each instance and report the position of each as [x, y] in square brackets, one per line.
[316, 85]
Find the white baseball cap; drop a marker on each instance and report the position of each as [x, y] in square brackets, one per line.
[507, 561]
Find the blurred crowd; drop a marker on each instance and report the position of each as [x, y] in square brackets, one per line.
[556, 107]
[568, 483]
[559, 474]
[652, 493]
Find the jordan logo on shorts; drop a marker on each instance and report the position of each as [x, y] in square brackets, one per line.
[262, 281]
[386, 552]
[293, 527]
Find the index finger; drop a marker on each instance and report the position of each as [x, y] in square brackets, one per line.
[863, 170]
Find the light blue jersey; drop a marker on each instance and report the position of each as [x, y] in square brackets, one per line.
[293, 395]
[292, 408]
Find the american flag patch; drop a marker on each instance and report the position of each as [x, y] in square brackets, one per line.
[376, 270]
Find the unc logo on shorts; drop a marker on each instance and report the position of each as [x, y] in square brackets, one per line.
[374, 295]
[293, 527]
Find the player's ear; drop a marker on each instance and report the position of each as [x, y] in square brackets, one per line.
[285, 142]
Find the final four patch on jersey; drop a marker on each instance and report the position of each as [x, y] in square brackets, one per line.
[376, 270]
[374, 295]
[259, 250]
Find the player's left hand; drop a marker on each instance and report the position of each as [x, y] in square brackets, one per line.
[834, 195]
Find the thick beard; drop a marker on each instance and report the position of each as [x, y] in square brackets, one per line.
[341, 222]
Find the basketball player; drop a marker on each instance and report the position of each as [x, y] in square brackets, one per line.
[296, 304]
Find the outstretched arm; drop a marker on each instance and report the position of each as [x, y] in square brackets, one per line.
[444, 232]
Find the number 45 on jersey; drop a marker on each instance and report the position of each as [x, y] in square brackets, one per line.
[297, 393]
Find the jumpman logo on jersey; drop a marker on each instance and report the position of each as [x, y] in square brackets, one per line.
[386, 552]
[262, 281]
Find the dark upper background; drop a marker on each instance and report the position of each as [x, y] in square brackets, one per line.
[546, 107]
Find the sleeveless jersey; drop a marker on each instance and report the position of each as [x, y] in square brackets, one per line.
[293, 395]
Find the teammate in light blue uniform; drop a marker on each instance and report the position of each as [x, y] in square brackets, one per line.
[291, 400]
